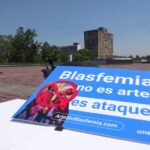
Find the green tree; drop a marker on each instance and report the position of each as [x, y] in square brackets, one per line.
[45, 50]
[131, 56]
[5, 48]
[25, 47]
[148, 57]
[50, 52]
[137, 57]
[83, 55]
[55, 53]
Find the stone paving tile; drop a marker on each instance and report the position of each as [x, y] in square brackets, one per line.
[6, 96]
[10, 91]
[31, 76]
[19, 82]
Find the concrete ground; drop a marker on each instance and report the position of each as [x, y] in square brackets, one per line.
[20, 82]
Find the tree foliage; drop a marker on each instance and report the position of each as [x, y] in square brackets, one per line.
[24, 48]
[147, 57]
[50, 52]
[83, 55]
[5, 48]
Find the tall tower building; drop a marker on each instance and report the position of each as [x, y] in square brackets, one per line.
[99, 42]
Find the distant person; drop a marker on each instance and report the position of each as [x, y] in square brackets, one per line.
[49, 67]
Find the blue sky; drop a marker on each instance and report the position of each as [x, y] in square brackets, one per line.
[62, 22]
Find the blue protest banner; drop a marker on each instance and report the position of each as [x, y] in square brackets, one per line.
[111, 102]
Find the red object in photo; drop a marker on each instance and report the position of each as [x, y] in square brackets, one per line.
[57, 94]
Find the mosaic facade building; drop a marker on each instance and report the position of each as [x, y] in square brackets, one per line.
[99, 42]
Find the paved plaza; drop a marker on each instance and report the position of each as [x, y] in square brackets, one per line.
[20, 82]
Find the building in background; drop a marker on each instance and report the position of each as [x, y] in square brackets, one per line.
[99, 42]
[68, 51]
